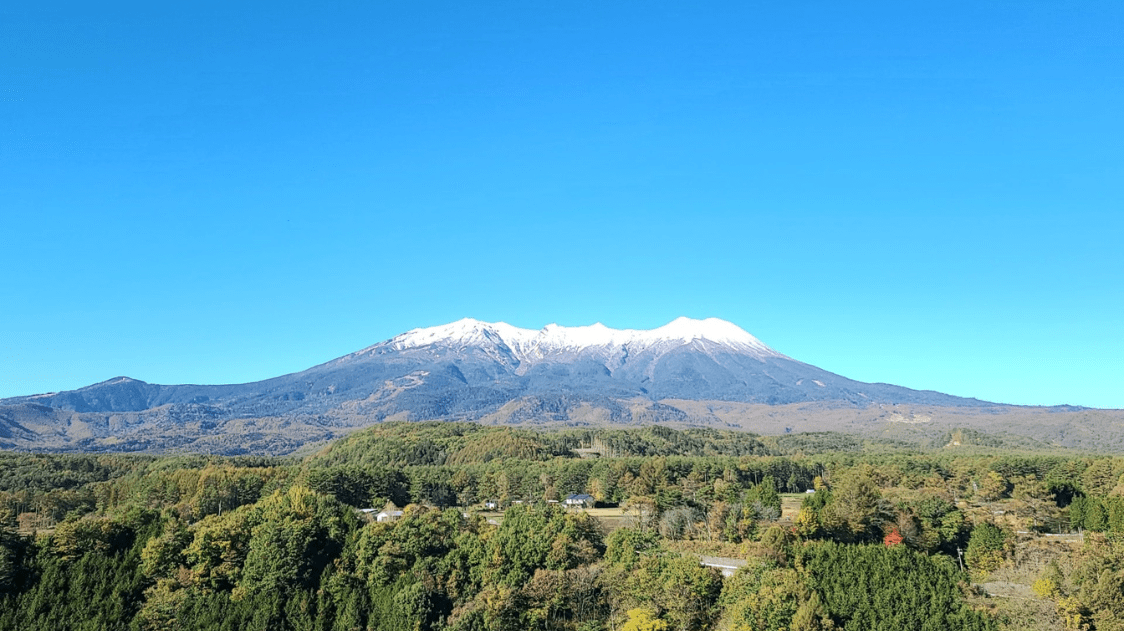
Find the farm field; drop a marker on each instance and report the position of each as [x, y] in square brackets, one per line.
[611, 518]
[616, 517]
[790, 506]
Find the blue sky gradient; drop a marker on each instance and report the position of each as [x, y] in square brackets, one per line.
[926, 196]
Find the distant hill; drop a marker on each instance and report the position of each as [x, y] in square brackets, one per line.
[401, 444]
[688, 373]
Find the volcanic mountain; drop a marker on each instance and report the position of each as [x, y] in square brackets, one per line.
[688, 372]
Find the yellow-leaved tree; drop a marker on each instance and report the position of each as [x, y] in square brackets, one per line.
[642, 620]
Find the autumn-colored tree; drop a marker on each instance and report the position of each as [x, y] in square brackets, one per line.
[985, 548]
[642, 620]
[597, 489]
[807, 523]
[856, 509]
[993, 486]
[893, 538]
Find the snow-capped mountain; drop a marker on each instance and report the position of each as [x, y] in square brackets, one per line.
[530, 346]
[522, 349]
[464, 370]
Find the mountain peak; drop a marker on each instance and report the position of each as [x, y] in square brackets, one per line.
[469, 369]
[116, 381]
[527, 343]
[712, 329]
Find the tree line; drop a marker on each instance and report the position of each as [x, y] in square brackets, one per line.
[193, 542]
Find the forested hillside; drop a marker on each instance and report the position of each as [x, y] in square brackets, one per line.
[887, 540]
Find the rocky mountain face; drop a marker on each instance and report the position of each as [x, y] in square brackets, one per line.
[466, 370]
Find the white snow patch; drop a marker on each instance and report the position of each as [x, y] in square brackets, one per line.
[553, 338]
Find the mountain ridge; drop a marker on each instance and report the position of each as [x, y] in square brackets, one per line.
[465, 370]
[530, 345]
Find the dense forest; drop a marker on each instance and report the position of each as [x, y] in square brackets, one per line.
[828, 533]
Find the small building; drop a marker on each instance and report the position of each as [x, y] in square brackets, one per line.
[388, 515]
[389, 512]
[579, 499]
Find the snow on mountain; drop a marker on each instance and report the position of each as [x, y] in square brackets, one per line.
[467, 369]
[530, 346]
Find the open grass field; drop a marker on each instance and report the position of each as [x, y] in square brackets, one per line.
[614, 518]
[610, 518]
[790, 506]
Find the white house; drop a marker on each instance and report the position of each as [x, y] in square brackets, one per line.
[579, 499]
[388, 515]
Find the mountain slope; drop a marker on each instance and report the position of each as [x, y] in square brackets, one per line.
[466, 370]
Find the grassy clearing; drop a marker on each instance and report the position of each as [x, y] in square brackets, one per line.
[790, 506]
[610, 518]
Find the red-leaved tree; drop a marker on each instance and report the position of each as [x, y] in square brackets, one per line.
[892, 539]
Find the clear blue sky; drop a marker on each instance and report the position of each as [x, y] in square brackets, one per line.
[926, 196]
